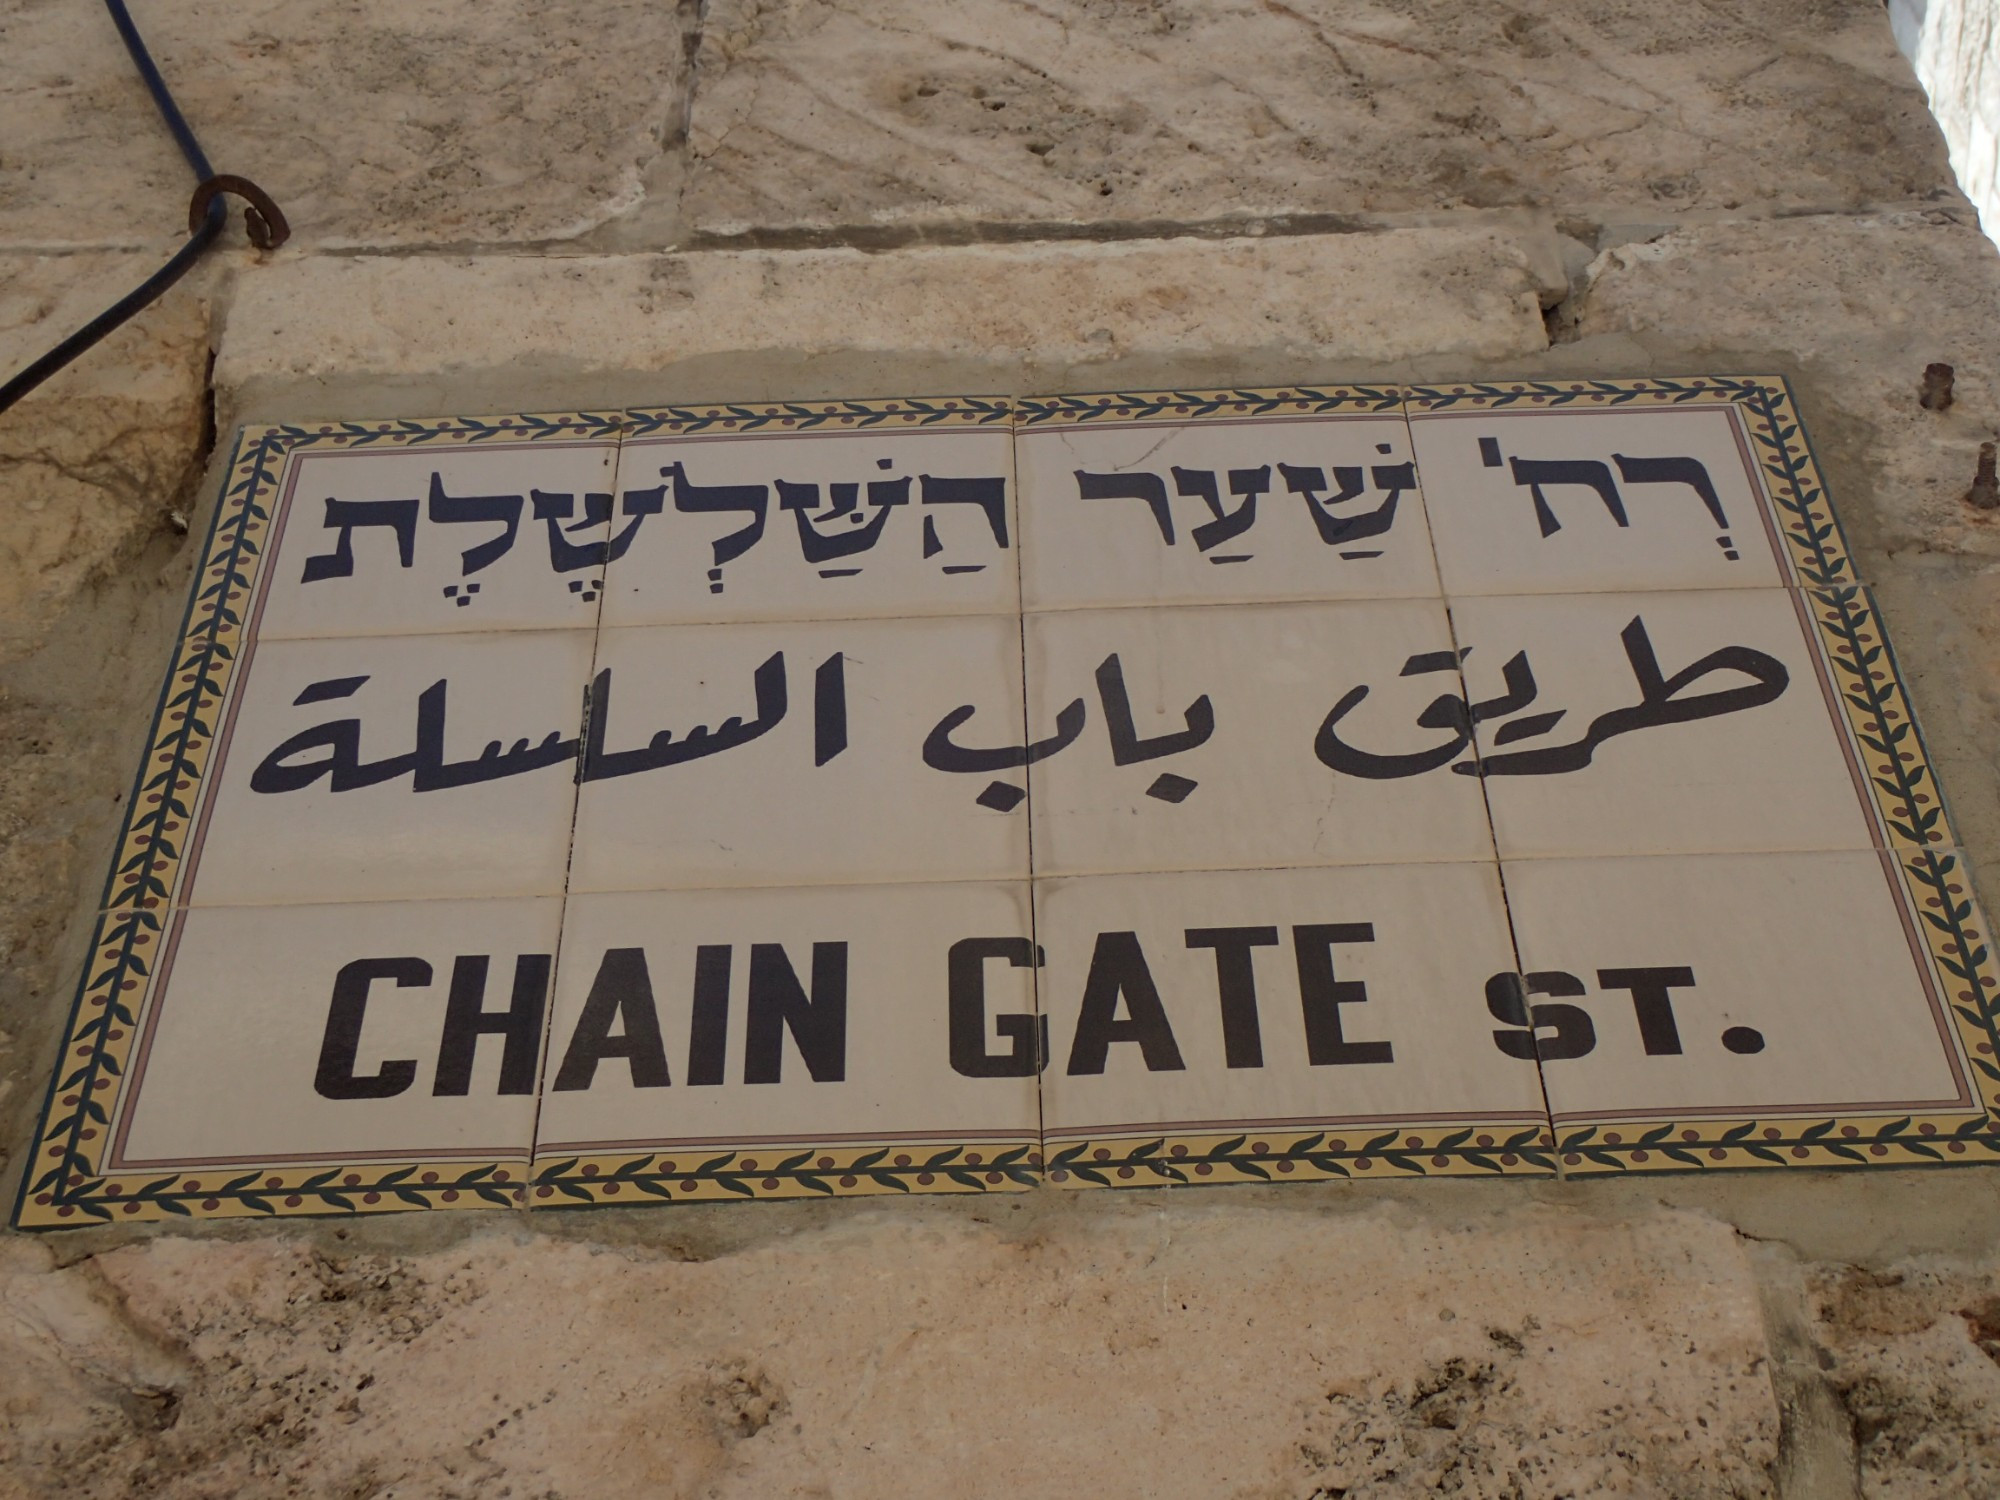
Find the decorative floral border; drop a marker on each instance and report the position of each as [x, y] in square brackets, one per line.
[906, 414]
[1506, 1149]
[1881, 726]
[711, 1174]
[63, 1186]
[1189, 406]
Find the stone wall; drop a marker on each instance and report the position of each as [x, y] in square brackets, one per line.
[506, 207]
[1955, 47]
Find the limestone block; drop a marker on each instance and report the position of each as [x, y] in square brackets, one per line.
[750, 325]
[835, 112]
[1914, 1355]
[371, 121]
[1864, 304]
[1207, 1348]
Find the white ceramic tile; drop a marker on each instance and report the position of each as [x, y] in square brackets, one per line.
[374, 767]
[328, 1032]
[824, 776]
[1248, 690]
[1524, 501]
[1742, 984]
[400, 541]
[1377, 972]
[826, 524]
[1279, 508]
[817, 1016]
[1577, 698]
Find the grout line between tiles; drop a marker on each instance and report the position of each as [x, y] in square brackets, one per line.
[920, 617]
[1300, 601]
[527, 1203]
[1506, 897]
[1485, 799]
[1042, 1048]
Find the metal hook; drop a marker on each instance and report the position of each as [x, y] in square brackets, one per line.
[262, 218]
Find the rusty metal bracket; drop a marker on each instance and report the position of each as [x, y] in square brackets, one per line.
[263, 220]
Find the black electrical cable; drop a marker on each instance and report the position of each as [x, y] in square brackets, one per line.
[206, 216]
[157, 87]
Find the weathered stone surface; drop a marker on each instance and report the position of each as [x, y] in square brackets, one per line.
[370, 121]
[1914, 1353]
[98, 470]
[1223, 1351]
[819, 112]
[94, 460]
[743, 325]
[1864, 304]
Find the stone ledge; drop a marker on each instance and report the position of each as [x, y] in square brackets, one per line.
[763, 325]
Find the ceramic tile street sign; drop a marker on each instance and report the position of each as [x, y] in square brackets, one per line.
[966, 794]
